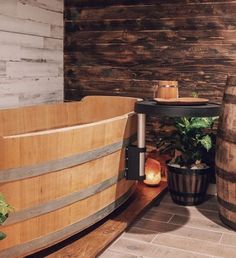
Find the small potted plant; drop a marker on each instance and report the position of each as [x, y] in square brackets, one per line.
[5, 209]
[191, 144]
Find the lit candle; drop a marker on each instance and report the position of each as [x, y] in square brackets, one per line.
[153, 172]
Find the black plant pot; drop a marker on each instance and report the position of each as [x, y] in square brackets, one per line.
[188, 186]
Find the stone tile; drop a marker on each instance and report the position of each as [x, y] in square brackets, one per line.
[112, 254]
[195, 245]
[212, 198]
[228, 239]
[158, 216]
[140, 234]
[181, 230]
[151, 250]
[206, 224]
[185, 211]
[210, 204]
[166, 198]
[192, 231]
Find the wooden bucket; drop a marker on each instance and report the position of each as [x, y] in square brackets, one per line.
[226, 155]
[62, 168]
[188, 186]
[167, 90]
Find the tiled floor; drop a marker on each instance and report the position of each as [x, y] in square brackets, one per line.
[172, 231]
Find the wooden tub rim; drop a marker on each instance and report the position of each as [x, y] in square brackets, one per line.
[74, 127]
[91, 101]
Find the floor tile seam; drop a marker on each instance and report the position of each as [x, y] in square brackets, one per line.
[187, 216]
[155, 208]
[199, 208]
[211, 230]
[167, 221]
[202, 219]
[126, 252]
[227, 245]
[216, 243]
[118, 251]
[194, 217]
[187, 237]
[154, 232]
[205, 209]
[138, 240]
[133, 238]
[221, 238]
[158, 233]
[116, 239]
[210, 255]
[168, 247]
[185, 225]
[122, 252]
[155, 237]
[170, 219]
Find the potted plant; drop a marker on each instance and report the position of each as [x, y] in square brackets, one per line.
[5, 209]
[191, 144]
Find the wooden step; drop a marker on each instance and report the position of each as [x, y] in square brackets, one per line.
[100, 236]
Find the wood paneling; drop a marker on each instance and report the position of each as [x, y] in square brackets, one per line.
[31, 52]
[124, 47]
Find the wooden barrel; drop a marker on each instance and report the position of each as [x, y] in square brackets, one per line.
[62, 168]
[188, 186]
[226, 155]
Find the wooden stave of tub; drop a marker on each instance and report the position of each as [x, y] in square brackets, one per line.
[52, 200]
[226, 156]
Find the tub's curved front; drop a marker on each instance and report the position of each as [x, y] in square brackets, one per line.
[62, 179]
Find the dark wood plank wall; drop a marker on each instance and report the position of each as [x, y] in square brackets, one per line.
[123, 47]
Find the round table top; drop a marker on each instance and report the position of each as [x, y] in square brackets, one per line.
[151, 107]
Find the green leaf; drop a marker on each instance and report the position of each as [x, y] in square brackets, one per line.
[185, 122]
[182, 125]
[193, 138]
[2, 235]
[2, 197]
[2, 218]
[194, 94]
[206, 142]
[201, 122]
[5, 208]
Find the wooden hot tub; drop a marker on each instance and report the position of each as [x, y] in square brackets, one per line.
[62, 168]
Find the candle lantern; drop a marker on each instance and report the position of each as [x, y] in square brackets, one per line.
[152, 172]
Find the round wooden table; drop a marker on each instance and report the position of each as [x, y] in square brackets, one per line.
[151, 107]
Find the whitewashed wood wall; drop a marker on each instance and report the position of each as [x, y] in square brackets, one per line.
[31, 52]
